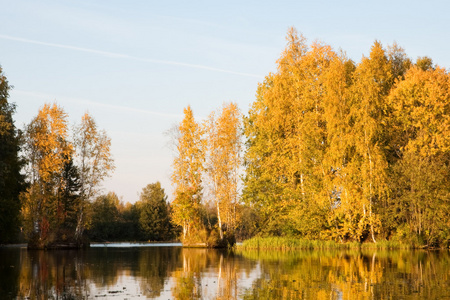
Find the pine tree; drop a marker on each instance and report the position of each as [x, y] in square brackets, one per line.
[153, 210]
[11, 181]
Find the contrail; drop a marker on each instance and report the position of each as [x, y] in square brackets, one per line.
[126, 56]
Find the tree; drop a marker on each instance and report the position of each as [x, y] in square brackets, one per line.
[48, 151]
[350, 151]
[425, 63]
[105, 217]
[286, 141]
[420, 202]
[93, 156]
[399, 61]
[153, 211]
[11, 181]
[187, 174]
[224, 162]
[366, 169]
[337, 106]
[129, 227]
[69, 199]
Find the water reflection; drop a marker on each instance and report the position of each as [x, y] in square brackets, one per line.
[177, 273]
[351, 275]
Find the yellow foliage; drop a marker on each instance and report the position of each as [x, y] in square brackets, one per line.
[48, 149]
[223, 136]
[187, 173]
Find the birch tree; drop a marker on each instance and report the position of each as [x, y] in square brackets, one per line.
[223, 163]
[48, 150]
[286, 139]
[187, 173]
[95, 161]
[367, 167]
[420, 201]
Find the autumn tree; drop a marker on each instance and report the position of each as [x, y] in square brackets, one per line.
[95, 163]
[335, 149]
[48, 151]
[398, 60]
[327, 139]
[366, 167]
[359, 131]
[420, 202]
[11, 181]
[337, 106]
[63, 176]
[286, 141]
[187, 174]
[224, 162]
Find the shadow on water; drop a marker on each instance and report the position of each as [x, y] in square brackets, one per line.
[180, 273]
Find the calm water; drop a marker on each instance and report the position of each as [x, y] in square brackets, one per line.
[171, 272]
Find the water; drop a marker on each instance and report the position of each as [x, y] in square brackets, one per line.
[130, 245]
[171, 272]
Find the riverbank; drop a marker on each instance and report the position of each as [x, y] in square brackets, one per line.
[288, 243]
[135, 244]
[21, 245]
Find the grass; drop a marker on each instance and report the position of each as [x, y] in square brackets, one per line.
[290, 243]
[387, 245]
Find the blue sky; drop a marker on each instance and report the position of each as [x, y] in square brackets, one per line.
[134, 65]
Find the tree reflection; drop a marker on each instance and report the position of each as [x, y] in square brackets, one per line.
[154, 267]
[187, 277]
[46, 275]
[180, 273]
[350, 275]
[208, 273]
[9, 272]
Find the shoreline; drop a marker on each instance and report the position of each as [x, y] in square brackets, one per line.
[286, 243]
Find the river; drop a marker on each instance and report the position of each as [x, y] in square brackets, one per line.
[168, 271]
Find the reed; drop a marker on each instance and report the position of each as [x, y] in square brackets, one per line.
[286, 243]
[289, 243]
[387, 245]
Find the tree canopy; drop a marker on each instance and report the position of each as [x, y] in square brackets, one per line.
[350, 151]
[154, 220]
[63, 175]
[11, 180]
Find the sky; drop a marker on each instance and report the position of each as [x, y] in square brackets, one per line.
[134, 65]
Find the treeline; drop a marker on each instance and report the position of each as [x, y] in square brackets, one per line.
[49, 185]
[149, 219]
[146, 220]
[334, 150]
[351, 151]
[50, 174]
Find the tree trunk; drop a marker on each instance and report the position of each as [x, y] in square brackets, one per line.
[219, 221]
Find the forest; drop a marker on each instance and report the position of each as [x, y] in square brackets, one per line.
[330, 149]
